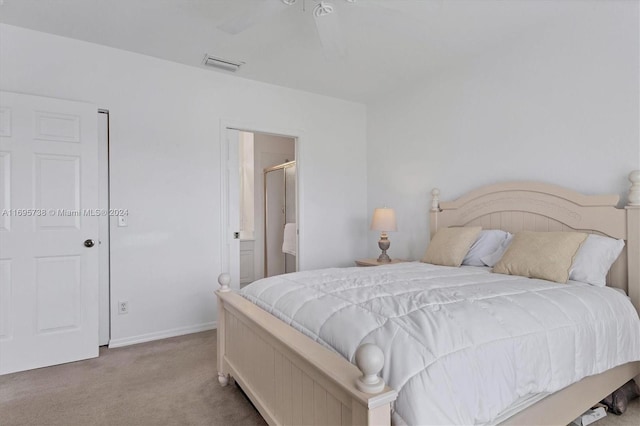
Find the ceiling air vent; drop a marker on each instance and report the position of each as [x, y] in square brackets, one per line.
[223, 64]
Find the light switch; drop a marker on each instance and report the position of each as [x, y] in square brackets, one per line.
[122, 221]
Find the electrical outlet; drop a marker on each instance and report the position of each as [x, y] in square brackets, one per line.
[123, 307]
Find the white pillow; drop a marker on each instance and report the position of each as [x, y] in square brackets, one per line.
[594, 259]
[488, 242]
[493, 258]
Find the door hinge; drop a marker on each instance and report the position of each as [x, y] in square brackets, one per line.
[236, 235]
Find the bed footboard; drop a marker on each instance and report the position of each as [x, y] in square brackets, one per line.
[290, 378]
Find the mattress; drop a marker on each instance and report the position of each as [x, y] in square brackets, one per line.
[461, 345]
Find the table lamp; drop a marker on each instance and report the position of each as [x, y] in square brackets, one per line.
[384, 220]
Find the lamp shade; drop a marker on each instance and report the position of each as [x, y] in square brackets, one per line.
[384, 219]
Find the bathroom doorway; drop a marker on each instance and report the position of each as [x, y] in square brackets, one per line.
[267, 205]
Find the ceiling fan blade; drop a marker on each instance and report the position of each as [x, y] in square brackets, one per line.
[331, 37]
[260, 11]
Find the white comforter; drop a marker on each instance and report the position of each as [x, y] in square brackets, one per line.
[462, 345]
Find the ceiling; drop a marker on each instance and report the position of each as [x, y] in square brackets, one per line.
[390, 43]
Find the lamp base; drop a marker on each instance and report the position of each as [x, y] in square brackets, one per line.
[384, 245]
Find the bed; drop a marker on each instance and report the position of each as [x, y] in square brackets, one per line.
[293, 377]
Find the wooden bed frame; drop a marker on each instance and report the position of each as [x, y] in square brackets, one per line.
[293, 380]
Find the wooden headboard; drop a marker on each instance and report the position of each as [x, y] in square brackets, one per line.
[528, 206]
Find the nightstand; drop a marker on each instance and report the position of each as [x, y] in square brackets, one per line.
[374, 262]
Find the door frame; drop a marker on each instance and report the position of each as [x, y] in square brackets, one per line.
[104, 231]
[298, 136]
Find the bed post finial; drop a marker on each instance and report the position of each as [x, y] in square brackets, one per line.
[370, 360]
[634, 191]
[435, 200]
[223, 379]
[224, 280]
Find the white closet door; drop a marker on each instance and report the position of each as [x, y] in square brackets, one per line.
[48, 277]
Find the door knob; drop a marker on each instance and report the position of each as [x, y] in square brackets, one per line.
[89, 243]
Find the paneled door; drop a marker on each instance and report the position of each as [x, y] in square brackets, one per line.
[48, 232]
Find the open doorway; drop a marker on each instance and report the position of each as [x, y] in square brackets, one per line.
[267, 205]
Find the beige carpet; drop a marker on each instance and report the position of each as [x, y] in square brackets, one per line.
[167, 382]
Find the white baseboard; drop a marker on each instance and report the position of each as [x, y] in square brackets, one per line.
[126, 341]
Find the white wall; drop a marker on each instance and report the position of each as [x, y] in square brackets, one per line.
[165, 168]
[557, 104]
